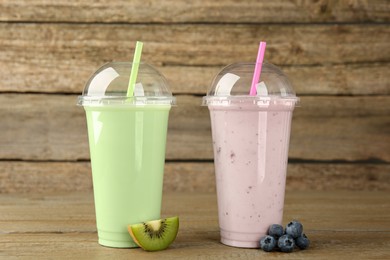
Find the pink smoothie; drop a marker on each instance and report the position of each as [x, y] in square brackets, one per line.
[250, 155]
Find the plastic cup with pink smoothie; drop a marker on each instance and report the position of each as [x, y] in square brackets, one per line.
[251, 134]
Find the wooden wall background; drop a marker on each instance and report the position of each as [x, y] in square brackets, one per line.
[337, 54]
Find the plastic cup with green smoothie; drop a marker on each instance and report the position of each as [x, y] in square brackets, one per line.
[127, 137]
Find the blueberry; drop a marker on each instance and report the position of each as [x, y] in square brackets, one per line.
[302, 242]
[286, 243]
[294, 229]
[268, 243]
[276, 231]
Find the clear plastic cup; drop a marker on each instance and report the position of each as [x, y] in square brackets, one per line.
[250, 139]
[127, 137]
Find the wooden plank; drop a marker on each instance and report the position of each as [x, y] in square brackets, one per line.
[51, 177]
[77, 208]
[52, 127]
[345, 79]
[191, 245]
[82, 48]
[205, 11]
[44, 177]
[354, 226]
[61, 58]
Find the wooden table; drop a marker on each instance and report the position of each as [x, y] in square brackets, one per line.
[341, 225]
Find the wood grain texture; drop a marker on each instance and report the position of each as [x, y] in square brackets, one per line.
[61, 57]
[203, 11]
[81, 48]
[73, 207]
[327, 48]
[52, 127]
[193, 245]
[51, 177]
[345, 79]
[355, 226]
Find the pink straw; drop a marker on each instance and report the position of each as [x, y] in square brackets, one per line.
[259, 64]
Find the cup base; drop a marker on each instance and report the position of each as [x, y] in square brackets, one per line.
[116, 239]
[117, 244]
[242, 244]
[240, 239]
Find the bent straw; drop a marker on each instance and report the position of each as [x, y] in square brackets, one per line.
[258, 66]
[134, 69]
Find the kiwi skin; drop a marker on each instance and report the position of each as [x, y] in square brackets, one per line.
[155, 235]
[132, 236]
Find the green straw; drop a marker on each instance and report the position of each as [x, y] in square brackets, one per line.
[134, 69]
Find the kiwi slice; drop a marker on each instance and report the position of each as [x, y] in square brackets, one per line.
[156, 234]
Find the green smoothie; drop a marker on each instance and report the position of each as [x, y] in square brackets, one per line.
[127, 146]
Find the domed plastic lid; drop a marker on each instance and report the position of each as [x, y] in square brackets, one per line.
[109, 84]
[233, 83]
